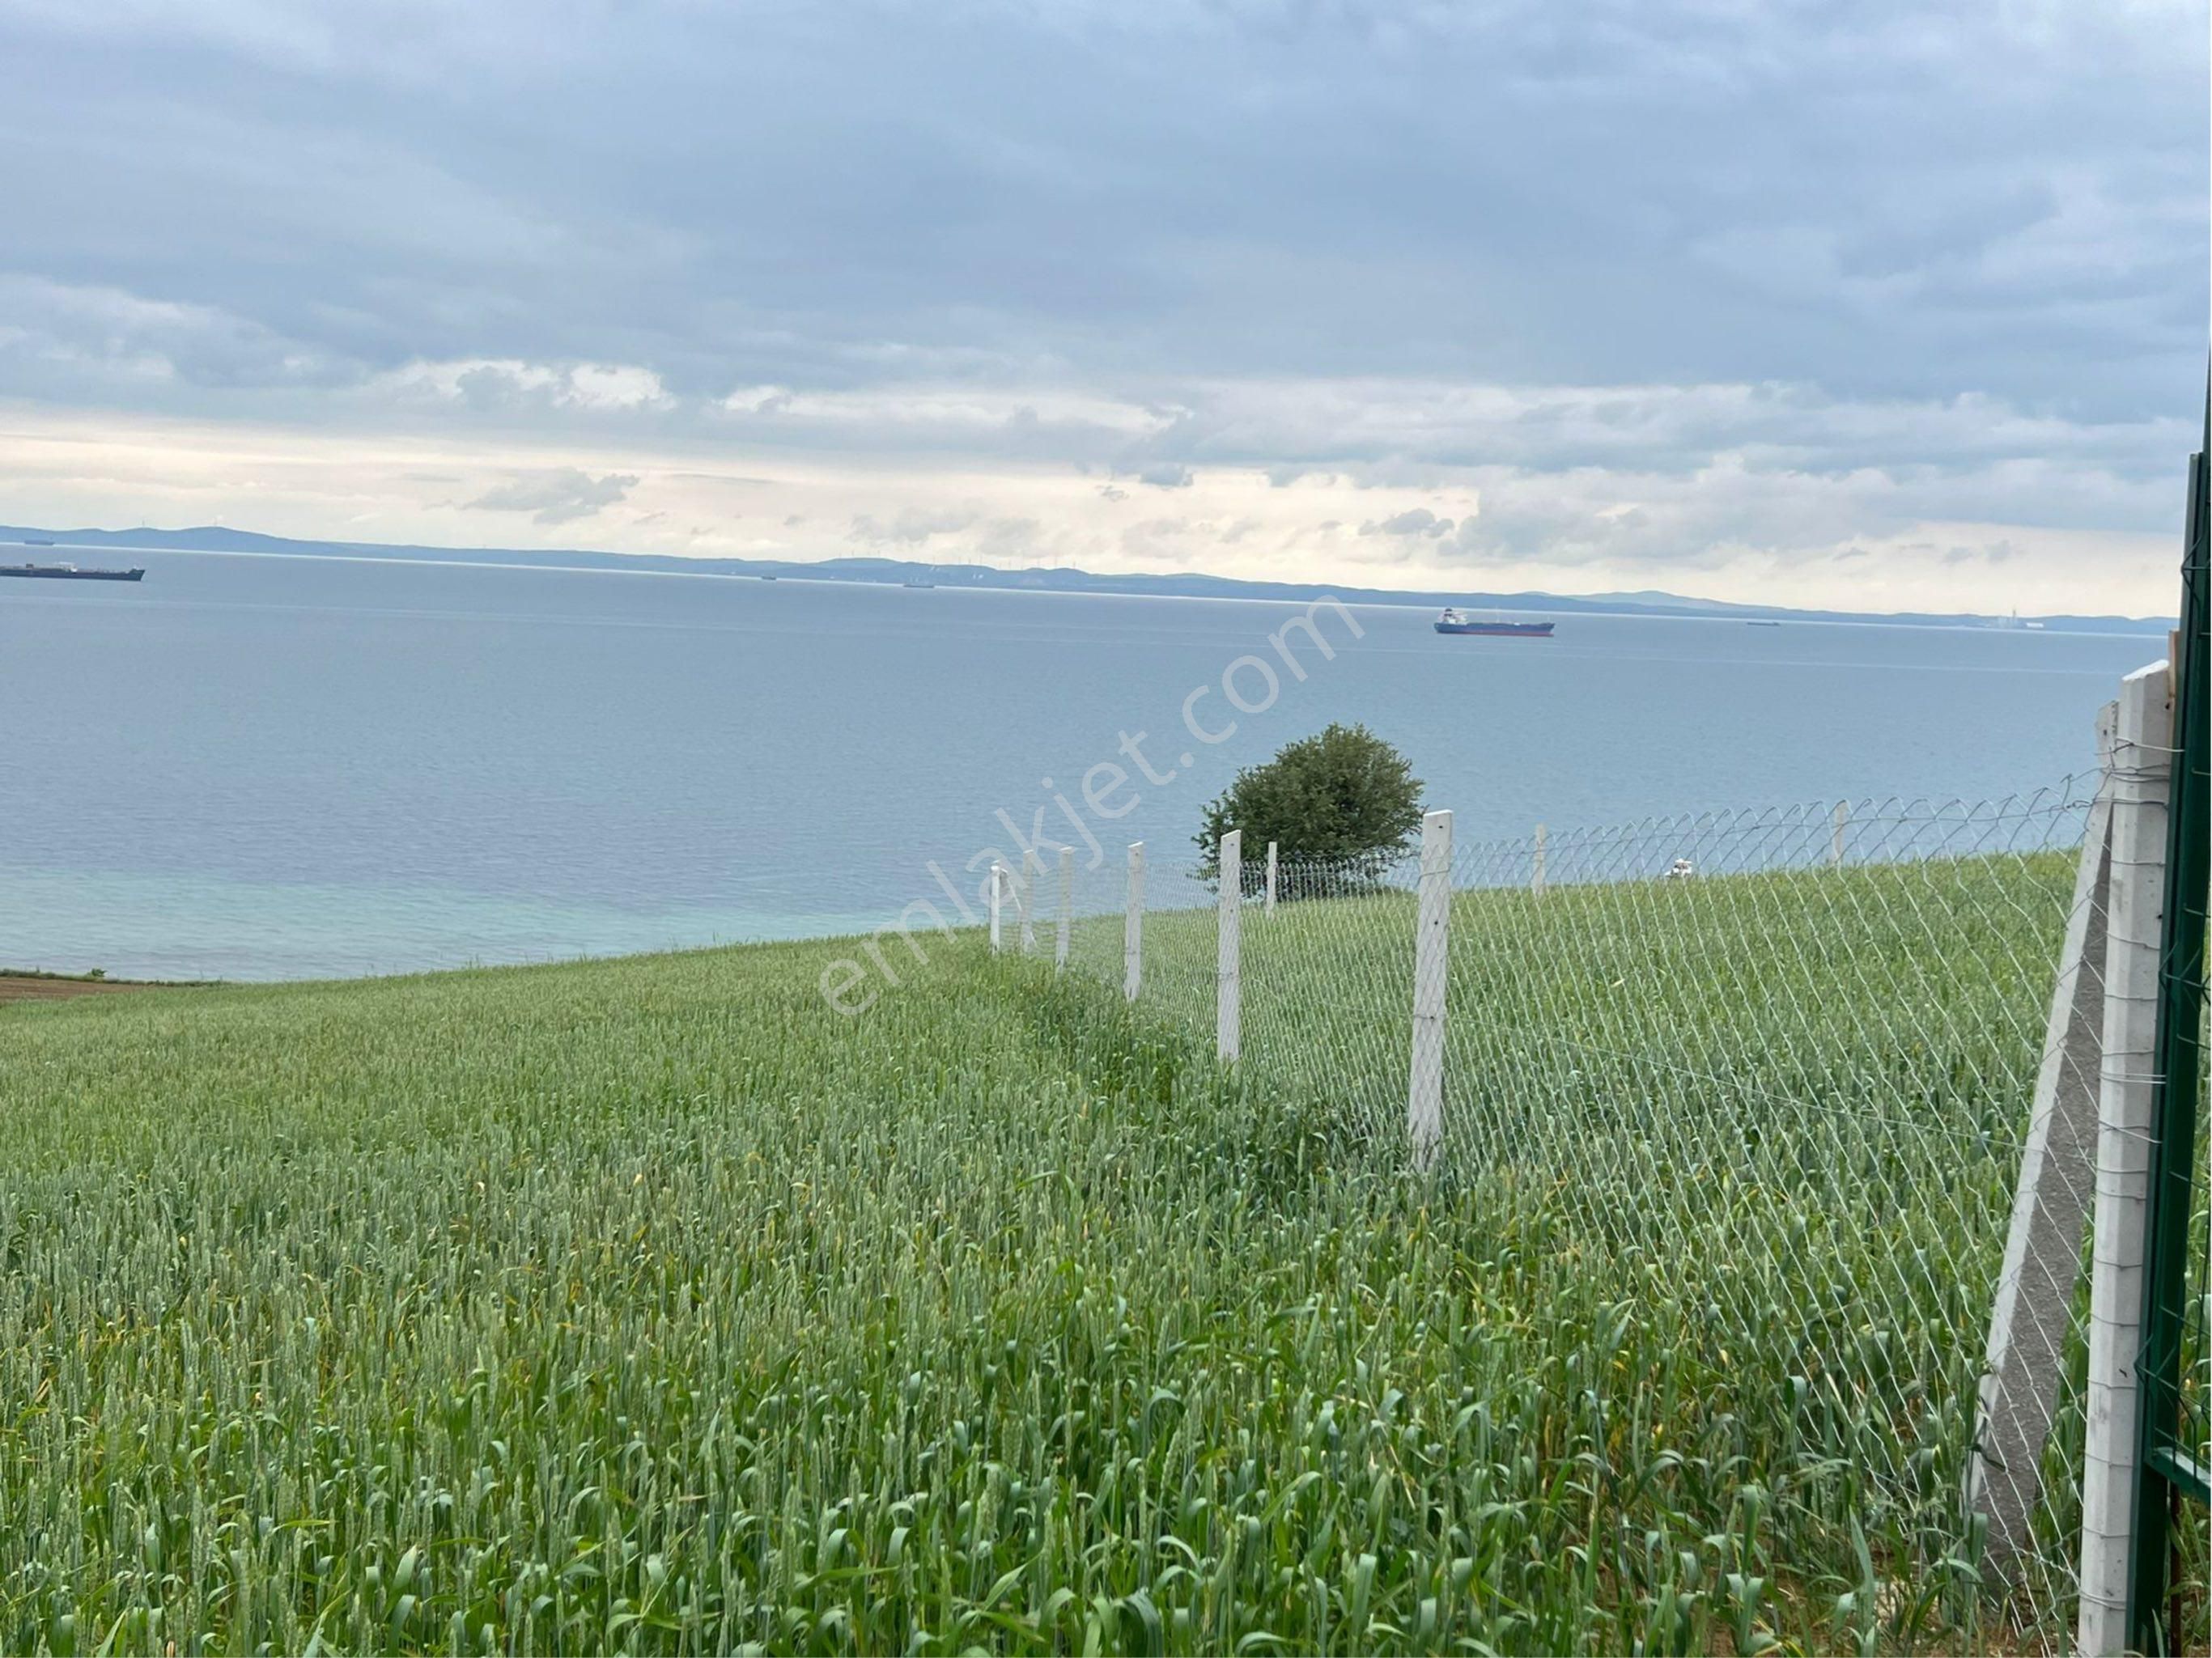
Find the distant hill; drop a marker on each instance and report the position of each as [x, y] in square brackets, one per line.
[894, 571]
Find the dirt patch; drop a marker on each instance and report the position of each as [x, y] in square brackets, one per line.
[23, 988]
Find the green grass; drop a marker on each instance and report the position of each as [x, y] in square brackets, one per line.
[650, 1305]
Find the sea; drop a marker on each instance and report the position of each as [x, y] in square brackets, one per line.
[259, 766]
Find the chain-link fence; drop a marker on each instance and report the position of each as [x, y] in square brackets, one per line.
[1797, 1052]
[2195, 1414]
[1786, 1061]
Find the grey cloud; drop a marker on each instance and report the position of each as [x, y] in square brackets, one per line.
[1992, 552]
[1686, 522]
[914, 524]
[561, 496]
[486, 387]
[1400, 431]
[1679, 276]
[1154, 540]
[1908, 203]
[1415, 521]
[59, 335]
[1010, 538]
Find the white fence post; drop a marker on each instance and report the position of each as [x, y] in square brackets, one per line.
[2025, 1362]
[998, 907]
[1133, 927]
[1836, 835]
[1271, 877]
[1536, 873]
[2142, 779]
[1032, 867]
[1066, 908]
[1225, 985]
[1424, 1098]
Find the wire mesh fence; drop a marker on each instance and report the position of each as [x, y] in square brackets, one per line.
[1804, 1072]
[2196, 1412]
[1784, 1062]
[2190, 1620]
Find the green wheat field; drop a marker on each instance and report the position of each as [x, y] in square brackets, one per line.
[649, 1305]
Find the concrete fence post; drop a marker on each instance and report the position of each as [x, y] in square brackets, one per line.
[1228, 935]
[1271, 877]
[2024, 1367]
[1843, 816]
[1032, 867]
[1424, 1097]
[998, 907]
[1536, 868]
[1067, 909]
[1133, 927]
[2141, 779]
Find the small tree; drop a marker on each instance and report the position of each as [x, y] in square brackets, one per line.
[1345, 801]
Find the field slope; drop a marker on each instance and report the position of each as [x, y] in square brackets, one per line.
[651, 1305]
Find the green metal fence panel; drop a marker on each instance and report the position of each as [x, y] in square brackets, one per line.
[2171, 1425]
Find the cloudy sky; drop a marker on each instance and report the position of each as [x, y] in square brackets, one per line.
[1866, 305]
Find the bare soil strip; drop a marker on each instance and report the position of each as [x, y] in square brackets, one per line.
[23, 988]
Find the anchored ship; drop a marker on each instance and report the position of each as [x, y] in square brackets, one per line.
[71, 573]
[1455, 621]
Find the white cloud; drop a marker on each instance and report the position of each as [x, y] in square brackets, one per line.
[1856, 540]
[600, 385]
[927, 415]
[757, 399]
[508, 383]
[561, 496]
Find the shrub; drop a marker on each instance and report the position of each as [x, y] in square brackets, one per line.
[1343, 801]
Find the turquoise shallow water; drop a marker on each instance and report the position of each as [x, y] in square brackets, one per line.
[273, 768]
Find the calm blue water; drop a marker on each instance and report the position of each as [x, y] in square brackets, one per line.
[275, 768]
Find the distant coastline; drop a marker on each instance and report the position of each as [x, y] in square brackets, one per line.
[899, 573]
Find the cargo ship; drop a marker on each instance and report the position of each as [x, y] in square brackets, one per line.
[1452, 622]
[71, 573]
